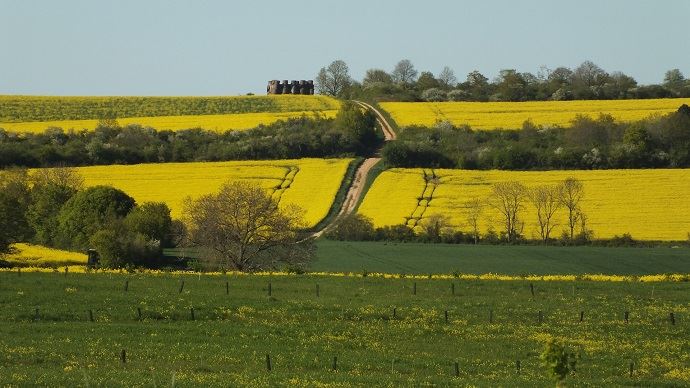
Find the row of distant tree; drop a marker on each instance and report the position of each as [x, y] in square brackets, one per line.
[352, 132]
[602, 143]
[587, 81]
[239, 228]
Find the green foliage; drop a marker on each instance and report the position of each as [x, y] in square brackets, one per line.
[288, 139]
[558, 360]
[357, 124]
[353, 227]
[602, 143]
[15, 197]
[89, 211]
[44, 209]
[119, 246]
[152, 220]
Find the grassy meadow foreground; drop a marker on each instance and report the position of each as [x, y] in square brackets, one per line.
[311, 184]
[511, 115]
[216, 329]
[34, 114]
[648, 204]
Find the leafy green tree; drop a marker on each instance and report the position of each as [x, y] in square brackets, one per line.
[15, 196]
[152, 220]
[118, 246]
[89, 211]
[587, 80]
[675, 81]
[354, 227]
[478, 86]
[510, 86]
[426, 81]
[357, 124]
[376, 76]
[51, 189]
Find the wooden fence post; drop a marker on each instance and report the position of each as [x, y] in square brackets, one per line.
[582, 316]
[191, 310]
[181, 287]
[227, 288]
[268, 362]
[672, 318]
[452, 288]
[457, 369]
[517, 366]
[90, 315]
[126, 285]
[446, 314]
[317, 289]
[626, 316]
[531, 289]
[270, 291]
[335, 363]
[123, 356]
[414, 288]
[139, 312]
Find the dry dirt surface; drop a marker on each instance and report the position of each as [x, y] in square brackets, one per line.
[354, 192]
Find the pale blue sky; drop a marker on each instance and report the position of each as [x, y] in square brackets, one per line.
[155, 47]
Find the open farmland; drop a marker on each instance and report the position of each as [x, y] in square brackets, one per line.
[311, 184]
[511, 115]
[649, 204]
[35, 114]
[190, 330]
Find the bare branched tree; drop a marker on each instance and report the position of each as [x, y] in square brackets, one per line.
[509, 199]
[245, 229]
[334, 79]
[474, 207]
[404, 72]
[435, 226]
[447, 77]
[570, 196]
[546, 200]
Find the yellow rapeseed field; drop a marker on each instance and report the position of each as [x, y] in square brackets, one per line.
[648, 204]
[511, 115]
[309, 183]
[246, 111]
[217, 123]
[40, 256]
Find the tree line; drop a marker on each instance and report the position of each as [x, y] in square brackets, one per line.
[587, 81]
[351, 132]
[241, 227]
[511, 200]
[556, 207]
[601, 143]
[51, 207]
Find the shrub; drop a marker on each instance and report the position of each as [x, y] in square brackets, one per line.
[89, 211]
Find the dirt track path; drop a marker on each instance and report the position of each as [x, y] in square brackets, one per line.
[354, 192]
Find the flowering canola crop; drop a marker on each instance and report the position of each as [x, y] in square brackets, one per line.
[648, 204]
[511, 115]
[311, 184]
[35, 114]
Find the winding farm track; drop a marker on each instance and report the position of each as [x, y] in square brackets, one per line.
[354, 192]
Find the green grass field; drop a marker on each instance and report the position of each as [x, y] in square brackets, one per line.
[415, 258]
[491, 325]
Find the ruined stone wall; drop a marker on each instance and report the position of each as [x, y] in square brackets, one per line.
[305, 87]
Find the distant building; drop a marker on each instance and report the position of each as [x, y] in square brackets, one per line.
[294, 87]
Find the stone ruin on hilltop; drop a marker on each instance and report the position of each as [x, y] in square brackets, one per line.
[294, 87]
